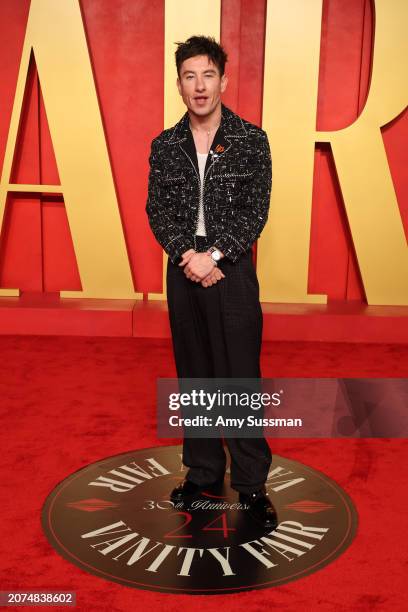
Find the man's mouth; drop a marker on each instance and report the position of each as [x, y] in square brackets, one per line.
[200, 98]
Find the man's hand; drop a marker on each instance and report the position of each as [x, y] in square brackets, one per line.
[185, 258]
[198, 267]
[213, 277]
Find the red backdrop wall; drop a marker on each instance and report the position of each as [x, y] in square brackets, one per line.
[126, 46]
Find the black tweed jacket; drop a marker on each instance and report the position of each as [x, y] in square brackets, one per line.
[236, 191]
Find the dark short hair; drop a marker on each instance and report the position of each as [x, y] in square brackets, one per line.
[201, 45]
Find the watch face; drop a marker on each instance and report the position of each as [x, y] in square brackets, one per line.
[216, 255]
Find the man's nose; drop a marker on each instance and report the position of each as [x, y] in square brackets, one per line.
[200, 85]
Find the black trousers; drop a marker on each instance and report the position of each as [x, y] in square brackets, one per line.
[217, 332]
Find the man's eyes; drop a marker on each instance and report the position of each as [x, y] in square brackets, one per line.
[190, 76]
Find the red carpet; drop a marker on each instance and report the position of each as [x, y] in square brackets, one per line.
[67, 402]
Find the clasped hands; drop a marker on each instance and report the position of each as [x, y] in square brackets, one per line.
[199, 267]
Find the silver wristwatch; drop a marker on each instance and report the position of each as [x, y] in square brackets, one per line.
[215, 254]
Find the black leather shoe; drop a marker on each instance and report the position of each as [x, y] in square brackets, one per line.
[260, 508]
[187, 490]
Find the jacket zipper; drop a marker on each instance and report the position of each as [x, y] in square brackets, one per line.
[199, 192]
[213, 160]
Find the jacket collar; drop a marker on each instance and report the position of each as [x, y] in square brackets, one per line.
[231, 127]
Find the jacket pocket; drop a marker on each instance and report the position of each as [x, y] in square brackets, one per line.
[232, 177]
[173, 191]
[228, 189]
[172, 179]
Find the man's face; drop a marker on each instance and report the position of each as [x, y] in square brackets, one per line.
[200, 85]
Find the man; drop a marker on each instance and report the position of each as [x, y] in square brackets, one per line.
[208, 201]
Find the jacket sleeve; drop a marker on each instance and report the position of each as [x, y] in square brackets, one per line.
[239, 235]
[161, 213]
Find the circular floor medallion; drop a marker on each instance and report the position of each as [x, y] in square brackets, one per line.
[114, 519]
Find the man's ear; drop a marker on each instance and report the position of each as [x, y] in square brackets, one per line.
[224, 82]
[178, 85]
